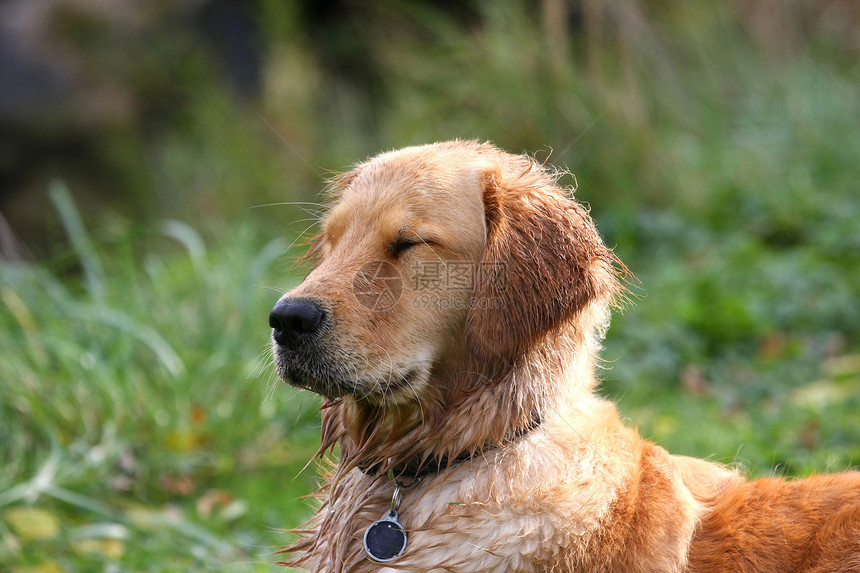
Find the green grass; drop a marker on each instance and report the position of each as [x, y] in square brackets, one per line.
[141, 427]
[138, 408]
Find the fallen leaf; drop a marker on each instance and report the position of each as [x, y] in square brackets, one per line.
[113, 549]
[47, 567]
[178, 485]
[153, 518]
[212, 499]
[32, 522]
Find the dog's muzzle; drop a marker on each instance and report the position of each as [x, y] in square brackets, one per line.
[298, 329]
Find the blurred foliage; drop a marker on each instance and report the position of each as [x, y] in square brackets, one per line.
[716, 143]
[138, 398]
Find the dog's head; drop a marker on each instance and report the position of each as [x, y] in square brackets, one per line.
[435, 262]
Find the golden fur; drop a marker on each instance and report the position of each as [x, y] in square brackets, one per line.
[502, 367]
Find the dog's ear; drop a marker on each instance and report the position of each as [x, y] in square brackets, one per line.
[544, 262]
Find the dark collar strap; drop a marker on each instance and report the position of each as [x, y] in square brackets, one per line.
[415, 469]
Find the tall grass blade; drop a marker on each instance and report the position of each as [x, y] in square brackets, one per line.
[83, 246]
[190, 239]
[32, 489]
[145, 334]
[261, 263]
[82, 501]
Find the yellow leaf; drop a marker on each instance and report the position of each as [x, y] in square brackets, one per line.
[40, 568]
[32, 522]
[113, 549]
[152, 518]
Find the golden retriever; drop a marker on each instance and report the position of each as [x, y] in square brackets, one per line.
[452, 322]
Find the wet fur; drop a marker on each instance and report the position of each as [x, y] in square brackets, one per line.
[579, 492]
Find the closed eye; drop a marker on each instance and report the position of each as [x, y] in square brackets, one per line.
[401, 245]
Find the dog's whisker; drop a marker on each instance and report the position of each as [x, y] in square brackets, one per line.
[275, 289]
[432, 250]
[300, 236]
[418, 401]
[314, 219]
[289, 203]
[315, 170]
[314, 215]
[390, 369]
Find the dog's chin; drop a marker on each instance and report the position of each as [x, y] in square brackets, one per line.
[391, 390]
[325, 387]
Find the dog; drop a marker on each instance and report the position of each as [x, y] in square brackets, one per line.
[452, 323]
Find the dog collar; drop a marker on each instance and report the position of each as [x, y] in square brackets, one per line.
[419, 467]
[416, 468]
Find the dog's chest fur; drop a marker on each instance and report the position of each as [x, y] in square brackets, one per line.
[551, 498]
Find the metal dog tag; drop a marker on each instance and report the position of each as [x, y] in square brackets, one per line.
[385, 540]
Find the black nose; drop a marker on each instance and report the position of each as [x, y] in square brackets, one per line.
[293, 319]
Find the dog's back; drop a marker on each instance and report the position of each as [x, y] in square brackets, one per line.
[808, 526]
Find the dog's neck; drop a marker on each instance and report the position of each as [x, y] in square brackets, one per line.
[421, 466]
[472, 410]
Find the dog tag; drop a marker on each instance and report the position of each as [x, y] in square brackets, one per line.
[385, 540]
